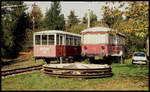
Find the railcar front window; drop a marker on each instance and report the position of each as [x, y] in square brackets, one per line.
[37, 39]
[44, 39]
[51, 39]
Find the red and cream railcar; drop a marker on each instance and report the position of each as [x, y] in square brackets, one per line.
[98, 41]
[53, 44]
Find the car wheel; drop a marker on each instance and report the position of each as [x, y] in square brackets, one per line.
[132, 62]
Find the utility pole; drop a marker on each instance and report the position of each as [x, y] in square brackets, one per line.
[88, 18]
[33, 22]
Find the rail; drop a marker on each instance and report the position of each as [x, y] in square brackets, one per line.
[20, 70]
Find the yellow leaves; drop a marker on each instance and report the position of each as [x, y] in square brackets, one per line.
[121, 5]
[127, 30]
[146, 8]
[126, 13]
[131, 20]
[141, 34]
[121, 13]
[135, 15]
[137, 18]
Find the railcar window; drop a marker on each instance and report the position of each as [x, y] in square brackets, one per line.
[57, 39]
[51, 39]
[37, 39]
[44, 39]
[75, 42]
[71, 41]
[121, 40]
[67, 41]
[61, 39]
[111, 39]
[79, 42]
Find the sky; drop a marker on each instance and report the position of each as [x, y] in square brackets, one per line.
[80, 7]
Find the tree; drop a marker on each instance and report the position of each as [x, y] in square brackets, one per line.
[37, 15]
[77, 28]
[137, 23]
[72, 19]
[54, 20]
[138, 15]
[13, 28]
[93, 19]
[134, 26]
[111, 16]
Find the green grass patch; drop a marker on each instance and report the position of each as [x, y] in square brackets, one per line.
[21, 62]
[126, 77]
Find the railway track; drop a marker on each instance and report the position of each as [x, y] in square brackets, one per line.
[66, 70]
[21, 70]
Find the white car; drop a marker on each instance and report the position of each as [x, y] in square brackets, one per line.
[139, 58]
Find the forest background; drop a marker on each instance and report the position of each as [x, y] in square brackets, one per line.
[17, 26]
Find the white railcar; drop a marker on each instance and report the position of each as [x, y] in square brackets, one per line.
[99, 41]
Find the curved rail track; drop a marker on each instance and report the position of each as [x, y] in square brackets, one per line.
[83, 71]
[20, 70]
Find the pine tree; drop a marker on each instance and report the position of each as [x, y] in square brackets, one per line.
[13, 28]
[93, 19]
[37, 15]
[72, 19]
[54, 20]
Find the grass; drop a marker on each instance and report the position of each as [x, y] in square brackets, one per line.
[126, 77]
[20, 62]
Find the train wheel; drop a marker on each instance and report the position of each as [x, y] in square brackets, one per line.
[60, 60]
[91, 59]
[76, 58]
[108, 60]
[47, 61]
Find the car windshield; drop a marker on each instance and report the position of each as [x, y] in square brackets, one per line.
[139, 54]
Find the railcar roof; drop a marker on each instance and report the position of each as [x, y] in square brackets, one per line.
[55, 32]
[100, 29]
[97, 29]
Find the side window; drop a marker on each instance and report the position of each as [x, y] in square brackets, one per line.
[44, 39]
[51, 39]
[37, 39]
[111, 39]
[61, 40]
[79, 42]
[67, 40]
[113, 47]
[71, 41]
[57, 38]
[75, 42]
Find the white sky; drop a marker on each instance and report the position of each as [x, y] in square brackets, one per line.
[79, 7]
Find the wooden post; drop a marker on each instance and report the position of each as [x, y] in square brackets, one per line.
[121, 60]
[61, 60]
[35, 60]
[33, 23]
[121, 54]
